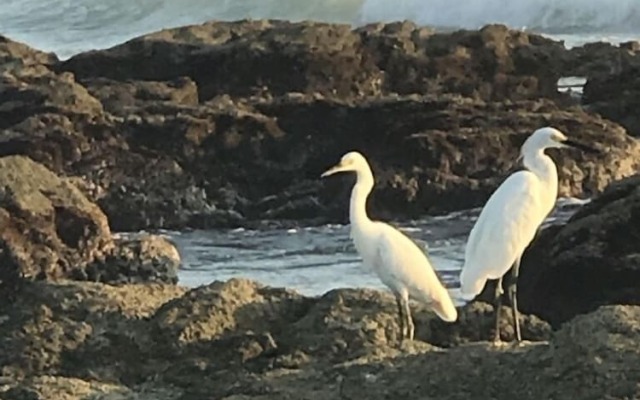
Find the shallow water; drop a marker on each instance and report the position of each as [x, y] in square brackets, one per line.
[314, 260]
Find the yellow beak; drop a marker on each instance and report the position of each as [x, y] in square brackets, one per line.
[335, 169]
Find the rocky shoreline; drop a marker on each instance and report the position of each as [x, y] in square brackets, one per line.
[241, 340]
[227, 124]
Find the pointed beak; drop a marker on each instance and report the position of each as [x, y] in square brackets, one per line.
[333, 170]
[580, 146]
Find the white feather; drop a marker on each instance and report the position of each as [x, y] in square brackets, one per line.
[399, 263]
[506, 226]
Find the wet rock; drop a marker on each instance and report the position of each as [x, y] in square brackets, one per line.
[158, 194]
[119, 98]
[35, 89]
[79, 329]
[49, 229]
[167, 143]
[595, 340]
[476, 323]
[590, 261]
[292, 57]
[309, 57]
[50, 139]
[145, 258]
[64, 388]
[615, 96]
[16, 55]
[242, 340]
[433, 154]
[599, 59]
[505, 372]
[210, 312]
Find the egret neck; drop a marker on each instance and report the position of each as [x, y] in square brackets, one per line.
[358, 217]
[536, 161]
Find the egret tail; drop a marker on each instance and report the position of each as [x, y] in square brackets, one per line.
[445, 310]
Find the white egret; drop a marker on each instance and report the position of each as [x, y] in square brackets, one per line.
[510, 219]
[396, 259]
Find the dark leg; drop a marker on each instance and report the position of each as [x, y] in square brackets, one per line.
[403, 327]
[513, 295]
[408, 319]
[498, 307]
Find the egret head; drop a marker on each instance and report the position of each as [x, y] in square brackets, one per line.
[350, 162]
[549, 137]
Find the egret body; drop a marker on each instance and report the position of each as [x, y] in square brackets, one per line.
[396, 259]
[510, 219]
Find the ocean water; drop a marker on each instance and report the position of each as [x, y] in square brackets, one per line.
[312, 259]
[67, 27]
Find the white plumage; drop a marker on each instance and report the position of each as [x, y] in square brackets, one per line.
[510, 219]
[396, 259]
[506, 225]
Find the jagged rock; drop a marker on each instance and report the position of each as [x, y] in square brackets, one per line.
[590, 261]
[140, 259]
[600, 59]
[228, 123]
[433, 154]
[119, 98]
[15, 55]
[246, 57]
[49, 229]
[80, 329]
[476, 323]
[242, 340]
[35, 89]
[616, 96]
[589, 358]
[64, 388]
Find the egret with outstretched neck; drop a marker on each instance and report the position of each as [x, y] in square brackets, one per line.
[510, 219]
[396, 259]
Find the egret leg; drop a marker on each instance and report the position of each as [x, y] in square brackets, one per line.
[403, 327]
[513, 294]
[408, 319]
[498, 307]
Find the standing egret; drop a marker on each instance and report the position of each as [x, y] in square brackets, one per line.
[396, 259]
[509, 221]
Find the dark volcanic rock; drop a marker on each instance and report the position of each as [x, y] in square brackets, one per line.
[15, 55]
[225, 124]
[49, 228]
[120, 98]
[144, 258]
[616, 96]
[600, 59]
[35, 89]
[245, 57]
[239, 339]
[284, 326]
[592, 260]
[63, 329]
[435, 154]
[476, 323]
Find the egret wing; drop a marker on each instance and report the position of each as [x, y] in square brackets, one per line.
[505, 227]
